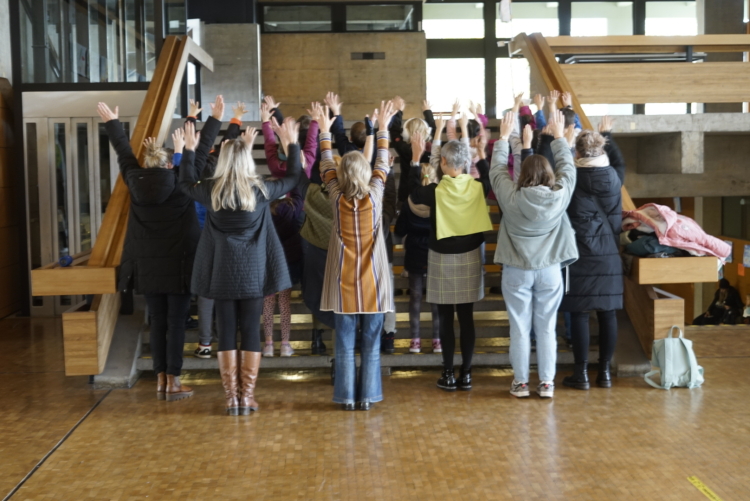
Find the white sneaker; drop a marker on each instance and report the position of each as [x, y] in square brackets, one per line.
[286, 350]
[268, 350]
[546, 389]
[203, 351]
[519, 390]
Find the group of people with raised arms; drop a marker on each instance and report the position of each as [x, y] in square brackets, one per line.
[323, 220]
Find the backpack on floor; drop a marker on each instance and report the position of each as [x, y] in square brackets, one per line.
[674, 358]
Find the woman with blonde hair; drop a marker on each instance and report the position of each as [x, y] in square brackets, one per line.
[159, 249]
[357, 287]
[240, 259]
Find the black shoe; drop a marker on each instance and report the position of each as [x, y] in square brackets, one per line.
[604, 378]
[191, 323]
[347, 407]
[365, 406]
[580, 378]
[386, 343]
[464, 380]
[316, 345]
[496, 290]
[447, 381]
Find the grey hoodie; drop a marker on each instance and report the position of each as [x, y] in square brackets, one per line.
[535, 232]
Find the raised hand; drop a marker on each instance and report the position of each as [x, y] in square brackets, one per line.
[315, 111]
[195, 108]
[570, 134]
[191, 137]
[325, 120]
[557, 124]
[517, 102]
[399, 103]
[554, 95]
[238, 110]
[426, 105]
[271, 103]
[478, 110]
[265, 112]
[506, 126]
[149, 141]
[456, 109]
[371, 121]
[334, 103]
[106, 113]
[249, 136]
[387, 110]
[481, 145]
[528, 136]
[567, 99]
[464, 123]
[178, 139]
[539, 102]
[606, 124]
[217, 108]
[417, 147]
[439, 126]
[288, 133]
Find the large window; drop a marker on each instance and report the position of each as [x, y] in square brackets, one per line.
[448, 79]
[512, 79]
[392, 17]
[296, 18]
[592, 19]
[671, 19]
[453, 20]
[530, 17]
[82, 41]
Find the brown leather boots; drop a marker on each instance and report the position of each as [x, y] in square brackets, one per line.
[175, 390]
[161, 386]
[239, 384]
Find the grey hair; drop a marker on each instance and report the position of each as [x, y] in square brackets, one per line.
[457, 154]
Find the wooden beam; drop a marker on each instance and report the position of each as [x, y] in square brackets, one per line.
[79, 280]
[87, 335]
[644, 44]
[652, 311]
[626, 83]
[678, 270]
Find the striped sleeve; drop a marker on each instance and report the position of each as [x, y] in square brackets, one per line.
[380, 172]
[327, 165]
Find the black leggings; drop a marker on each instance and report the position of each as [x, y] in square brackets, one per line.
[167, 314]
[448, 337]
[247, 312]
[579, 333]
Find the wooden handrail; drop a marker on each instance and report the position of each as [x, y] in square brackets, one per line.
[644, 44]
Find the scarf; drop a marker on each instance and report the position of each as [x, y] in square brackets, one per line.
[460, 207]
[600, 161]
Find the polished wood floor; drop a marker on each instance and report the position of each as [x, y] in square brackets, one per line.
[628, 443]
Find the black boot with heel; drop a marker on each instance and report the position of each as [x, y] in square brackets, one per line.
[580, 378]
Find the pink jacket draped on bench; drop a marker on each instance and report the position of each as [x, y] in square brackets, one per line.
[675, 230]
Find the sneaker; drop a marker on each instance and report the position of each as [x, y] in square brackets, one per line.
[203, 351]
[386, 343]
[546, 389]
[404, 273]
[519, 390]
[436, 346]
[191, 323]
[286, 350]
[415, 346]
[268, 350]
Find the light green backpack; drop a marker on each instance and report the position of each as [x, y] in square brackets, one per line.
[675, 359]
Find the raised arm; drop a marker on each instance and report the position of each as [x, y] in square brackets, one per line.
[288, 135]
[208, 135]
[565, 170]
[370, 124]
[502, 184]
[428, 116]
[327, 165]
[310, 149]
[613, 151]
[382, 164]
[188, 176]
[117, 137]
[270, 146]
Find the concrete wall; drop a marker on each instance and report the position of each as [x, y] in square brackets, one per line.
[300, 68]
[236, 53]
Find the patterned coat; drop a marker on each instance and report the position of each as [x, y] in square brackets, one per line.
[357, 277]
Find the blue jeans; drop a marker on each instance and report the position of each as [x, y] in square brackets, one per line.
[532, 298]
[347, 388]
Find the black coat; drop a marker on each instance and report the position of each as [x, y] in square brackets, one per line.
[416, 231]
[596, 278]
[239, 255]
[163, 230]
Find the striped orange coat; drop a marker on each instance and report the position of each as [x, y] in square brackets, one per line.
[357, 278]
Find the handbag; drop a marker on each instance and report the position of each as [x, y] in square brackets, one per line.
[675, 359]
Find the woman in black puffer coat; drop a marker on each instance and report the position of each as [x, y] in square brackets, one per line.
[595, 281]
[159, 250]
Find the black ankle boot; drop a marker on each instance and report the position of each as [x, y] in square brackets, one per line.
[316, 346]
[447, 381]
[604, 378]
[580, 378]
[464, 380]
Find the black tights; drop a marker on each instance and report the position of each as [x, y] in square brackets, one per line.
[247, 312]
[579, 333]
[448, 337]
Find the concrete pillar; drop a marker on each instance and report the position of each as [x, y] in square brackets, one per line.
[6, 70]
[235, 49]
[692, 152]
[721, 17]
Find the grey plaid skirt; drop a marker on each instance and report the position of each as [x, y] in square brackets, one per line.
[455, 278]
